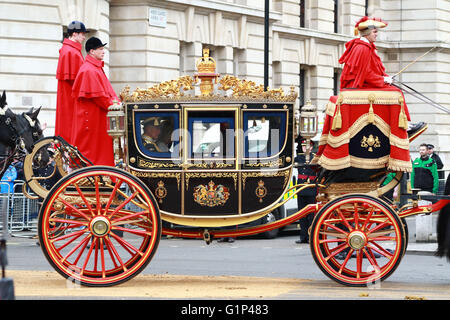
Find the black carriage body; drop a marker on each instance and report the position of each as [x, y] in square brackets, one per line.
[225, 161]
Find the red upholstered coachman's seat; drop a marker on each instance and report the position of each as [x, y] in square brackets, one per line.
[365, 129]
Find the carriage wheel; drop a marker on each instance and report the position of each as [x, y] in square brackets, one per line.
[111, 226]
[357, 240]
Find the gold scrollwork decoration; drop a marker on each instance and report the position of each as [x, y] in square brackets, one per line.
[265, 174]
[142, 163]
[210, 175]
[175, 175]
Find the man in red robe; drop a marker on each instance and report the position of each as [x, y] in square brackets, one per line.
[363, 67]
[93, 95]
[70, 61]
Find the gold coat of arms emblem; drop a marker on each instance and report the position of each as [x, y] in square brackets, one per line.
[211, 195]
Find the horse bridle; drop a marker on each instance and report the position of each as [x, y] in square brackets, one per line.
[16, 137]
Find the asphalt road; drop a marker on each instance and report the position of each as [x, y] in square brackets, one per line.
[249, 268]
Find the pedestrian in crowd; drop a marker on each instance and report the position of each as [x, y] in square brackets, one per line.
[424, 174]
[93, 95]
[437, 159]
[69, 62]
[20, 175]
[7, 181]
[391, 194]
[308, 195]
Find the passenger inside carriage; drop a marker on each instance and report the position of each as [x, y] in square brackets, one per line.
[156, 134]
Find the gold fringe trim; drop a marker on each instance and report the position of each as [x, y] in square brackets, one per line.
[356, 162]
[364, 97]
[399, 165]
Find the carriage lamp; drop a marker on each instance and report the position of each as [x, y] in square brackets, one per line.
[308, 125]
[116, 127]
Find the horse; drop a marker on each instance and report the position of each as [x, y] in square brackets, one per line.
[18, 133]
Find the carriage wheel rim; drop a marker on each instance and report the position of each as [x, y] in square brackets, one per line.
[357, 241]
[98, 231]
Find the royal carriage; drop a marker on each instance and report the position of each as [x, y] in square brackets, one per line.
[215, 160]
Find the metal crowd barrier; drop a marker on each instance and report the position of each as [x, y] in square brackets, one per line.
[22, 213]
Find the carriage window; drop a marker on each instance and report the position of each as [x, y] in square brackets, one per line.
[212, 136]
[264, 133]
[157, 133]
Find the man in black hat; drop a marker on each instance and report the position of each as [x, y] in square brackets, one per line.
[94, 94]
[437, 159]
[308, 195]
[69, 62]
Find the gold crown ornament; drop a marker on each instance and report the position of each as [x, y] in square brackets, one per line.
[206, 67]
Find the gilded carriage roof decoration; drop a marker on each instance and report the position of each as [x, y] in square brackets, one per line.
[230, 87]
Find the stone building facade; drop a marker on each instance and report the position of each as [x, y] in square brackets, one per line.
[150, 41]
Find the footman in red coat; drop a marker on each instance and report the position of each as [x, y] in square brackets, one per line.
[70, 61]
[93, 95]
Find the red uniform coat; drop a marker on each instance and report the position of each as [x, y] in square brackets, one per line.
[94, 94]
[70, 61]
[363, 67]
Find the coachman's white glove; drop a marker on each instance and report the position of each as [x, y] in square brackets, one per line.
[388, 79]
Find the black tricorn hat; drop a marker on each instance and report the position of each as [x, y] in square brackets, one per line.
[93, 43]
[76, 26]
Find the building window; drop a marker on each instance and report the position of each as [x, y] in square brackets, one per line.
[301, 87]
[336, 14]
[366, 8]
[302, 13]
[336, 81]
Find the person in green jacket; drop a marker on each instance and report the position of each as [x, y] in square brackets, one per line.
[424, 175]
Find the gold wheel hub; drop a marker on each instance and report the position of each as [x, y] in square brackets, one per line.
[357, 240]
[100, 226]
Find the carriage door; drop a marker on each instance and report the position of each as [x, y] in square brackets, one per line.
[210, 161]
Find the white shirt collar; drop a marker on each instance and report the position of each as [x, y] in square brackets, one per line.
[364, 39]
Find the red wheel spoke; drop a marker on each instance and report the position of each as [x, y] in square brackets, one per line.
[81, 251]
[102, 256]
[74, 249]
[363, 228]
[123, 204]
[97, 195]
[88, 256]
[356, 215]
[380, 226]
[134, 231]
[113, 194]
[336, 228]
[371, 258]
[336, 250]
[331, 240]
[344, 219]
[115, 253]
[73, 208]
[128, 216]
[381, 250]
[84, 199]
[68, 242]
[349, 254]
[358, 264]
[126, 245]
[73, 223]
[72, 234]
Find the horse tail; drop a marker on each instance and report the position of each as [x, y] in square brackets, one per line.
[443, 227]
